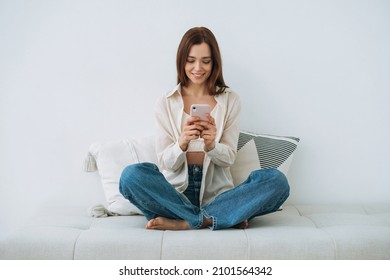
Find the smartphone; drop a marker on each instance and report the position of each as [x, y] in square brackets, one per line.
[200, 110]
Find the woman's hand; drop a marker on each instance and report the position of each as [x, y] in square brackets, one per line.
[192, 129]
[208, 133]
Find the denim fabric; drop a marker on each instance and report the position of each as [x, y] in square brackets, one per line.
[145, 186]
[192, 192]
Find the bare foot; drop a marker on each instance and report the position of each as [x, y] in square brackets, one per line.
[242, 225]
[161, 223]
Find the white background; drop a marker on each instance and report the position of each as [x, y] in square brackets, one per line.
[81, 71]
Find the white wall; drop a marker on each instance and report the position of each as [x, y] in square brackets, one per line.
[77, 72]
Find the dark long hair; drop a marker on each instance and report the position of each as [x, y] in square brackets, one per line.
[196, 36]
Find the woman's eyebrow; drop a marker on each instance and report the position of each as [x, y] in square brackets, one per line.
[205, 57]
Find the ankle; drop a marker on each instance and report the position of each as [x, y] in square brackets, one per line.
[206, 222]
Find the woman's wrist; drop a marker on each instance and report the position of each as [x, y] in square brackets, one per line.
[208, 148]
[183, 146]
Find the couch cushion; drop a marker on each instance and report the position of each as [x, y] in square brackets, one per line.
[296, 232]
[45, 237]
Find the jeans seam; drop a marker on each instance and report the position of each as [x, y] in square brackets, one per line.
[200, 221]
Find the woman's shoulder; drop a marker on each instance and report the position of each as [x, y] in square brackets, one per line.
[230, 99]
[175, 91]
[230, 95]
[167, 98]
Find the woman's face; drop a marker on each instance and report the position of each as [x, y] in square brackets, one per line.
[199, 64]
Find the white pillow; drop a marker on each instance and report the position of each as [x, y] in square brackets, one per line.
[259, 151]
[110, 159]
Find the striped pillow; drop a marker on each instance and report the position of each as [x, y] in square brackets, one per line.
[259, 151]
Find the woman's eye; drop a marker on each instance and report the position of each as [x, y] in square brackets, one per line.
[190, 61]
[206, 61]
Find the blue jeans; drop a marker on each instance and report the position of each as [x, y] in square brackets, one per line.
[192, 192]
[145, 186]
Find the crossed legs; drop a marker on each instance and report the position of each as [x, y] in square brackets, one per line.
[166, 209]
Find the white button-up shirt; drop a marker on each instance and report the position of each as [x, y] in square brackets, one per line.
[172, 160]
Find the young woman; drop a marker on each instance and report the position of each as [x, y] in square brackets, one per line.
[192, 186]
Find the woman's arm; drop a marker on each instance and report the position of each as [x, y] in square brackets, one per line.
[225, 151]
[169, 154]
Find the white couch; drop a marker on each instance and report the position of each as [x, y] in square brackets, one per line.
[114, 232]
[296, 232]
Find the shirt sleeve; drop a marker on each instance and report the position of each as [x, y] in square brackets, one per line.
[225, 151]
[169, 154]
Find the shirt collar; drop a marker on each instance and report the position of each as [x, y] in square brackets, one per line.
[176, 90]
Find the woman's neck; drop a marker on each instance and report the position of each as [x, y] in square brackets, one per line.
[196, 90]
[195, 94]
